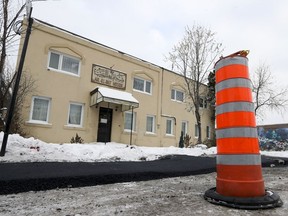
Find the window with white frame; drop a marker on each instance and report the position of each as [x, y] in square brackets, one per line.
[142, 85]
[184, 127]
[208, 132]
[169, 126]
[75, 116]
[202, 103]
[40, 109]
[196, 131]
[130, 120]
[64, 63]
[150, 124]
[177, 95]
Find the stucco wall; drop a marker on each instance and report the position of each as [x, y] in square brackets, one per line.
[64, 88]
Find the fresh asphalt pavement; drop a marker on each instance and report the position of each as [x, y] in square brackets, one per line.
[35, 176]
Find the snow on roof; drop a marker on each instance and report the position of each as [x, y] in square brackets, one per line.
[121, 95]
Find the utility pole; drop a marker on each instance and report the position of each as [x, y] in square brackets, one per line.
[18, 77]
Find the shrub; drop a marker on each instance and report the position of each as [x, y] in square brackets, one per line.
[187, 142]
[181, 141]
[76, 139]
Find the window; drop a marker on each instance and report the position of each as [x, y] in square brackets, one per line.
[169, 126]
[184, 127]
[177, 95]
[142, 85]
[208, 132]
[75, 114]
[40, 109]
[130, 119]
[150, 124]
[196, 130]
[203, 103]
[64, 63]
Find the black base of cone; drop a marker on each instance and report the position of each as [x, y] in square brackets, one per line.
[269, 200]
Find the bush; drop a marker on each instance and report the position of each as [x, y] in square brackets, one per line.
[187, 142]
[76, 139]
[210, 142]
[181, 141]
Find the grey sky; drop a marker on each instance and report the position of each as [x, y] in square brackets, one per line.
[148, 29]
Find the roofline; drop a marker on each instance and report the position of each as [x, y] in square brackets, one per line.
[108, 47]
[97, 43]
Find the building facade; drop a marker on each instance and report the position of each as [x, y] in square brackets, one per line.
[103, 94]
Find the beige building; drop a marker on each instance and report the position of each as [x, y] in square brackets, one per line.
[101, 93]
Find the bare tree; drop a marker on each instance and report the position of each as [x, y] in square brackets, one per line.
[26, 86]
[3, 31]
[8, 19]
[266, 95]
[10, 12]
[194, 58]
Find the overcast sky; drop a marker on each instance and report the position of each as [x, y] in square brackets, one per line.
[148, 29]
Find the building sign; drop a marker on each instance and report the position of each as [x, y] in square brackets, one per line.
[108, 77]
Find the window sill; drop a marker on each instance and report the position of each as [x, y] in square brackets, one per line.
[38, 124]
[73, 127]
[180, 102]
[169, 135]
[143, 92]
[64, 72]
[129, 131]
[150, 134]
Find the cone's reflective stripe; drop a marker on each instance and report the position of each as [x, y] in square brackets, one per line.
[235, 106]
[231, 61]
[236, 132]
[240, 159]
[237, 82]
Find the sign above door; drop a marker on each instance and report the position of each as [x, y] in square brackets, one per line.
[108, 77]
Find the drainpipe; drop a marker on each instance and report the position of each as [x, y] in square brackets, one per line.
[161, 104]
[169, 116]
[161, 80]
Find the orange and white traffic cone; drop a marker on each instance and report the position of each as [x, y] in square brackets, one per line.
[239, 182]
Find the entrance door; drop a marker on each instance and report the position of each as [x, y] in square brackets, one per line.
[104, 125]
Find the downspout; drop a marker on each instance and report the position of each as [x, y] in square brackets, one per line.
[160, 108]
[161, 105]
[169, 116]
[161, 84]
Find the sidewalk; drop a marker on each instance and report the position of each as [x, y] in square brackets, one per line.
[23, 177]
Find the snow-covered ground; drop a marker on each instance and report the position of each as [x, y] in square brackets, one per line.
[178, 196]
[21, 149]
[170, 196]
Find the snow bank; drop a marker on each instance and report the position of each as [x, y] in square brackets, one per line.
[20, 149]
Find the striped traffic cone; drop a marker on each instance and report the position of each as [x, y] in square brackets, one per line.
[239, 180]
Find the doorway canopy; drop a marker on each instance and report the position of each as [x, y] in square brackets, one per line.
[124, 99]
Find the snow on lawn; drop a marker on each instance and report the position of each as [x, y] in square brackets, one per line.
[21, 149]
